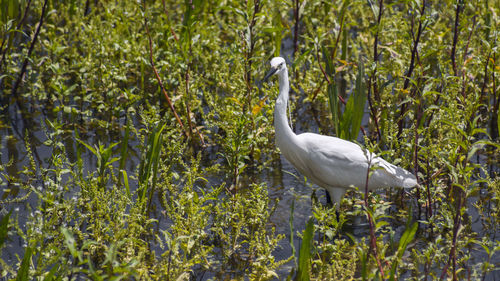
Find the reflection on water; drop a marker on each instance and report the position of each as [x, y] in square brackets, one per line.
[21, 132]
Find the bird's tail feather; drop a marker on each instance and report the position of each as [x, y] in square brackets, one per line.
[409, 182]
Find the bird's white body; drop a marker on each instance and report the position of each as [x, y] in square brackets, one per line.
[332, 163]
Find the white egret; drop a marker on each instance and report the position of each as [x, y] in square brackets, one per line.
[332, 163]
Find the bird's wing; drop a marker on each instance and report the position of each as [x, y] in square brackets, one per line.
[392, 175]
[334, 162]
[339, 163]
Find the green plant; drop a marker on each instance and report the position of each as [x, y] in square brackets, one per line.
[142, 197]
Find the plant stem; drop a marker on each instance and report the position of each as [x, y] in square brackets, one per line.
[453, 256]
[151, 61]
[373, 239]
[326, 76]
[375, 51]
[32, 46]
[374, 74]
[418, 114]
[429, 198]
[496, 100]
[455, 36]
[188, 98]
[18, 27]
[411, 67]
[372, 110]
[296, 16]
[172, 31]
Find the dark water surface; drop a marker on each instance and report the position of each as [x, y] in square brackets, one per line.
[283, 181]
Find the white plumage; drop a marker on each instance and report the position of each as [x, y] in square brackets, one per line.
[332, 163]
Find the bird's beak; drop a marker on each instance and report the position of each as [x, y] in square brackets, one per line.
[270, 73]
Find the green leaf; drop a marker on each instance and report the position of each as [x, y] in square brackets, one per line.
[290, 221]
[406, 238]
[93, 150]
[24, 269]
[498, 123]
[125, 183]
[69, 240]
[150, 163]
[52, 272]
[343, 56]
[332, 90]
[359, 101]
[305, 252]
[300, 59]
[479, 145]
[375, 8]
[4, 223]
[277, 32]
[350, 122]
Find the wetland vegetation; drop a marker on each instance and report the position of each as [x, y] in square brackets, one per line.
[137, 139]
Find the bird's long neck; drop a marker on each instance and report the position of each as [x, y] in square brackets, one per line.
[283, 131]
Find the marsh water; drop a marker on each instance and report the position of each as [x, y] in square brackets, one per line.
[285, 185]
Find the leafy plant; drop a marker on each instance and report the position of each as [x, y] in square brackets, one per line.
[137, 139]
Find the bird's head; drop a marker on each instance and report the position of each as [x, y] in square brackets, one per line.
[278, 65]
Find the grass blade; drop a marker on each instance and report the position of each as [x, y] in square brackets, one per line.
[359, 101]
[4, 223]
[406, 238]
[332, 90]
[305, 253]
[290, 221]
[150, 163]
[51, 274]
[156, 157]
[350, 122]
[125, 182]
[24, 269]
[93, 150]
[70, 242]
[124, 147]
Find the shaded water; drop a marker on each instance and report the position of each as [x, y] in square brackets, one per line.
[283, 181]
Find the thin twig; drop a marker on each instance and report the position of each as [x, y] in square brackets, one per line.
[374, 74]
[18, 27]
[452, 257]
[326, 76]
[296, 28]
[32, 46]
[373, 240]
[172, 31]
[321, 68]
[485, 78]
[428, 189]
[465, 56]
[151, 61]
[335, 47]
[455, 37]
[411, 68]
[188, 108]
[250, 49]
[316, 92]
[418, 113]
[372, 109]
[375, 50]
[496, 100]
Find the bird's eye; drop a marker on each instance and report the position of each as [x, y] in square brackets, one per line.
[281, 65]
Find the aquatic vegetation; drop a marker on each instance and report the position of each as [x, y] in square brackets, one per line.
[137, 139]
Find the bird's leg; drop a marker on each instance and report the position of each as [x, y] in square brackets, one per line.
[337, 194]
[328, 199]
